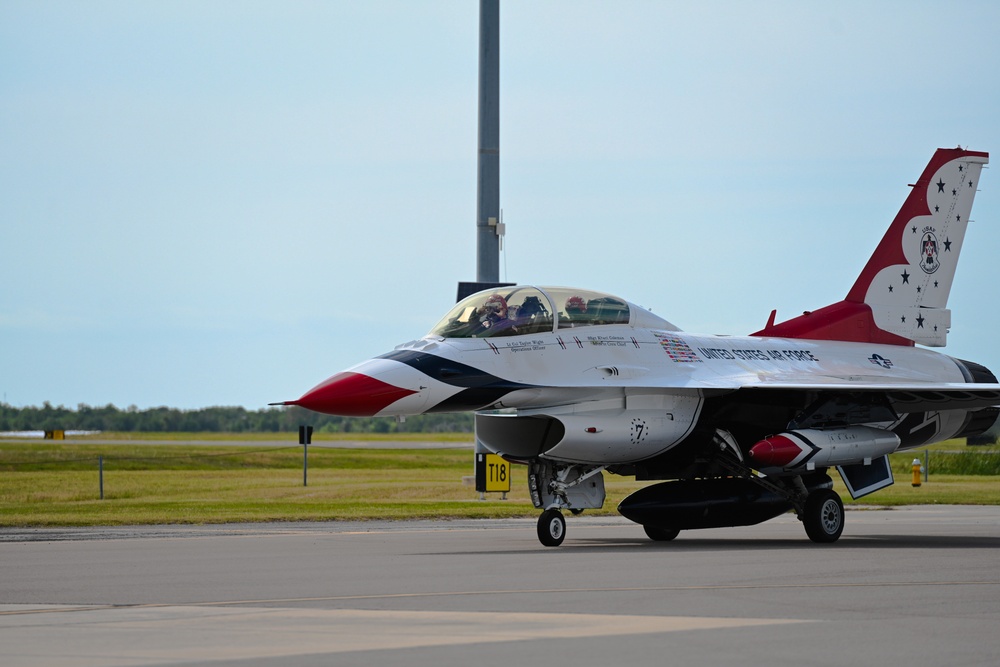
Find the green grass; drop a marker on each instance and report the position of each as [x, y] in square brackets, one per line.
[83, 456]
[47, 484]
[290, 438]
[57, 484]
[938, 490]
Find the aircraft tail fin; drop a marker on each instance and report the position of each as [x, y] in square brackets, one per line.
[901, 296]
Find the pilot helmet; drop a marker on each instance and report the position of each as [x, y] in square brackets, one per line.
[495, 307]
[575, 305]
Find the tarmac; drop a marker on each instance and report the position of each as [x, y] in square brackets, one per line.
[910, 586]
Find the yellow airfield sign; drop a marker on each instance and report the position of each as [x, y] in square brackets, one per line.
[492, 473]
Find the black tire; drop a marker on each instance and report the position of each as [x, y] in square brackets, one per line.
[551, 528]
[661, 534]
[824, 516]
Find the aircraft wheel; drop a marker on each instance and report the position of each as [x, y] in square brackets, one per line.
[551, 528]
[661, 534]
[576, 511]
[824, 516]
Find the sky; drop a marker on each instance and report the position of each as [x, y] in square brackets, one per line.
[224, 203]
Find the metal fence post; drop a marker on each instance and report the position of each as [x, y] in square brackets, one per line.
[305, 437]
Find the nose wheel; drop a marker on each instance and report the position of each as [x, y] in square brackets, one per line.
[551, 528]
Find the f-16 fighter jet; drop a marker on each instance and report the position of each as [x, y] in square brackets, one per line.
[729, 430]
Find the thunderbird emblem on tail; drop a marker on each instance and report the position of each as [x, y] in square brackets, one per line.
[734, 430]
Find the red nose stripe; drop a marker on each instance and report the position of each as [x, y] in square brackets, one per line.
[776, 451]
[351, 395]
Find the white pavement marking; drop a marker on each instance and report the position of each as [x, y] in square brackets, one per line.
[118, 636]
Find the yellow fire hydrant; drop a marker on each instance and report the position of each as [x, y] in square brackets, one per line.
[917, 472]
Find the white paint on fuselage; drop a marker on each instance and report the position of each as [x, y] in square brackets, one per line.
[625, 394]
[569, 367]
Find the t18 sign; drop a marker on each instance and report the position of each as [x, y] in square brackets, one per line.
[492, 473]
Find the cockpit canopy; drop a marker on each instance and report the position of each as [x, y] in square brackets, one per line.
[513, 311]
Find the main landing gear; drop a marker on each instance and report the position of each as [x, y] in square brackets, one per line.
[737, 497]
[823, 516]
[816, 504]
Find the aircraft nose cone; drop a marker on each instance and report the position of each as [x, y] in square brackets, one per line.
[351, 395]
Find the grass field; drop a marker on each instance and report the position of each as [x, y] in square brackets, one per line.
[57, 484]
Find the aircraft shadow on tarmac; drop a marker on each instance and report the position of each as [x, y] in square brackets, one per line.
[628, 545]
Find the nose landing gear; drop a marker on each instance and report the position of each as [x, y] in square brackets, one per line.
[559, 486]
[551, 528]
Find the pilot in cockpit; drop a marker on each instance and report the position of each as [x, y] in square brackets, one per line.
[494, 315]
[576, 310]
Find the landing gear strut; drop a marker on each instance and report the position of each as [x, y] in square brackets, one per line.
[817, 506]
[560, 486]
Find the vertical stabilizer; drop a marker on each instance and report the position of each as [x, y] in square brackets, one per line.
[908, 279]
[901, 295]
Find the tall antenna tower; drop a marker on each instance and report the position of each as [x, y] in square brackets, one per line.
[488, 225]
[489, 228]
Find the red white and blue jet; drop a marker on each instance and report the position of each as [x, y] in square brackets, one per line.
[733, 430]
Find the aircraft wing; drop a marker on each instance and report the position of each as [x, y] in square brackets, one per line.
[905, 397]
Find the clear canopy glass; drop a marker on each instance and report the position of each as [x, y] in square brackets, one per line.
[513, 311]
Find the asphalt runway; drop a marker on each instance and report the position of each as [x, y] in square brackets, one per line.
[910, 586]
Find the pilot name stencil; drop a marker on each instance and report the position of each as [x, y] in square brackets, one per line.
[525, 345]
[607, 341]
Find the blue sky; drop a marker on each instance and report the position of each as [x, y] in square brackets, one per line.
[225, 203]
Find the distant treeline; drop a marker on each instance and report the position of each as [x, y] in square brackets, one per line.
[216, 420]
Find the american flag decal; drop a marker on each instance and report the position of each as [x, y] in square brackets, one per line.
[676, 348]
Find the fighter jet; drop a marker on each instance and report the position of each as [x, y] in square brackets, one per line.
[730, 430]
